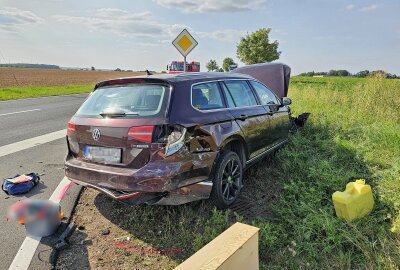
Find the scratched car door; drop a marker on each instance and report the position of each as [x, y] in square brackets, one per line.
[250, 116]
[279, 118]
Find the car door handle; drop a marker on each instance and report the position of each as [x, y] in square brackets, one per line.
[242, 117]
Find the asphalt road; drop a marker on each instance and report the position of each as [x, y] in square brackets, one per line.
[26, 118]
[21, 120]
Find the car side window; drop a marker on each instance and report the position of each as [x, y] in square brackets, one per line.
[241, 93]
[207, 96]
[228, 95]
[265, 95]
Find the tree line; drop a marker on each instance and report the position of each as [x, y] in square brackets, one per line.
[27, 65]
[345, 73]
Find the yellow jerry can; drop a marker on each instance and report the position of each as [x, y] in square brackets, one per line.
[355, 202]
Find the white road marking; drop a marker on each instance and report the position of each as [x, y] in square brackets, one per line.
[24, 256]
[25, 144]
[25, 253]
[3, 114]
[33, 98]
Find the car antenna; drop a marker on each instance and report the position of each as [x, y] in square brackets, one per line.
[148, 72]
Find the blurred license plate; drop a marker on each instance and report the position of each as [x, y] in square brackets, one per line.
[102, 154]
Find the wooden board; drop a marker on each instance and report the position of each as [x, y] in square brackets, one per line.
[235, 248]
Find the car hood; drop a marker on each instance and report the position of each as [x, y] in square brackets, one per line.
[275, 76]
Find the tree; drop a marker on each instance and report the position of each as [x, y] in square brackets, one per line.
[343, 73]
[377, 74]
[92, 68]
[227, 63]
[391, 76]
[339, 73]
[118, 69]
[255, 48]
[362, 74]
[332, 73]
[212, 65]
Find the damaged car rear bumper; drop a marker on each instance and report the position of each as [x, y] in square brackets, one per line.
[190, 193]
[158, 182]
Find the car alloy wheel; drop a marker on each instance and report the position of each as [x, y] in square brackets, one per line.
[227, 181]
[231, 179]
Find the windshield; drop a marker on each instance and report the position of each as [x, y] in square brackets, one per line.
[177, 67]
[124, 101]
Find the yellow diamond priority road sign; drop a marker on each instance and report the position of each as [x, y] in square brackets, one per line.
[184, 42]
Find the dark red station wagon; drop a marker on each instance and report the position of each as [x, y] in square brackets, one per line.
[172, 139]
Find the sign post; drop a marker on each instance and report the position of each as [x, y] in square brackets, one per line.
[184, 43]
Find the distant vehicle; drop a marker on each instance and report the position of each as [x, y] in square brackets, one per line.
[172, 139]
[177, 67]
[232, 67]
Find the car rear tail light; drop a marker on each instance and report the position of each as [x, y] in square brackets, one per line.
[142, 133]
[73, 144]
[175, 140]
[71, 128]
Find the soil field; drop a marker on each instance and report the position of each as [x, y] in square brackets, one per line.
[23, 77]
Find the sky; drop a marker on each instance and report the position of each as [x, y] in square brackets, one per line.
[314, 35]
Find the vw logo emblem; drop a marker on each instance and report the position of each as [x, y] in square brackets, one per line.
[96, 134]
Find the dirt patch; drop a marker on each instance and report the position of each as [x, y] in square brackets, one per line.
[102, 244]
[20, 77]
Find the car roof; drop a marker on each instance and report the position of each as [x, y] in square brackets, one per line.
[192, 76]
[182, 77]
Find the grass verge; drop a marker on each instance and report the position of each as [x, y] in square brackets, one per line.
[42, 91]
[354, 131]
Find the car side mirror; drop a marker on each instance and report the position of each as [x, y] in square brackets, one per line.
[286, 101]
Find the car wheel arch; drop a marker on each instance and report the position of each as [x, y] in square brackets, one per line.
[227, 146]
[238, 145]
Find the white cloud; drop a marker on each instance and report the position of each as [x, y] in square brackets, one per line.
[369, 8]
[225, 35]
[196, 6]
[143, 25]
[350, 7]
[124, 23]
[233, 36]
[13, 19]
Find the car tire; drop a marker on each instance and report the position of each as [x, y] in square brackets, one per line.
[227, 181]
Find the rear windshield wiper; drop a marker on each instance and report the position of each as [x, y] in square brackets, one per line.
[116, 114]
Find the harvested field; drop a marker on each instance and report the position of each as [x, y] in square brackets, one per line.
[23, 77]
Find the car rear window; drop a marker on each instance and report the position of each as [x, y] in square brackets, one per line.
[128, 101]
[207, 96]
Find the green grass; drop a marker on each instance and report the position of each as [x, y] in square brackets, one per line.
[353, 131]
[42, 91]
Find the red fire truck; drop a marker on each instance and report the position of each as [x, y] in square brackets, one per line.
[177, 67]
